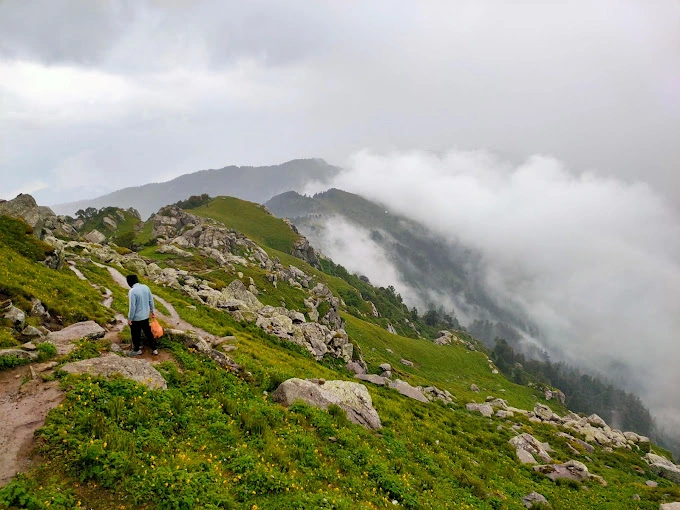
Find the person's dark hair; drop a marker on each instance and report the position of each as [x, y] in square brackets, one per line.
[132, 279]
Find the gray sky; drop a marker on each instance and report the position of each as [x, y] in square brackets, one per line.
[95, 96]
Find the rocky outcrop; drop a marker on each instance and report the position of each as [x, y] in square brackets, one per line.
[42, 219]
[134, 369]
[663, 467]
[304, 251]
[526, 446]
[353, 398]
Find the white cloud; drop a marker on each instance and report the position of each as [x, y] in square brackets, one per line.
[594, 262]
[28, 187]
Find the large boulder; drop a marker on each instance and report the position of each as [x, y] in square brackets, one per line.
[531, 499]
[95, 237]
[134, 369]
[16, 316]
[663, 467]
[670, 506]
[237, 291]
[353, 398]
[526, 446]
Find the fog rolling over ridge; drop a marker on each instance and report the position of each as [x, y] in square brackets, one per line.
[593, 262]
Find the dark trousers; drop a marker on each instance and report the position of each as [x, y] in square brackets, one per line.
[137, 327]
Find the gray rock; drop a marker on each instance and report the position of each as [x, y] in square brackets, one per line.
[532, 498]
[110, 222]
[353, 398]
[63, 339]
[95, 237]
[416, 393]
[545, 413]
[38, 309]
[526, 443]
[483, 409]
[374, 379]
[670, 506]
[474, 387]
[134, 369]
[570, 470]
[385, 367]
[29, 346]
[355, 367]
[18, 353]
[31, 331]
[594, 419]
[173, 250]
[663, 467]
[651, 483]
[16, 316]
[406, 362]
[391, 329]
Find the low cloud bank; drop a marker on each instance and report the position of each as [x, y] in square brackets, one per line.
[594, 262]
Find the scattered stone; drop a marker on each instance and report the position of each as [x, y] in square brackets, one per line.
[356, 367]
[385, 367]
[373, 378]
[29, 346]
[432, 393]
[483, 409]
[636, 497]
[406, 362]
[651, 483]
[16, 316]
[532, 498]
[474, 387]
[43, 367]
[670, 506]
[31, 331]
[353, 398]
[18, 353]
[391, 329]
[570, 470]
[63, 339]
[404, 388]
[135, 369]
[173, 250]
[389, 351]
[526, 446]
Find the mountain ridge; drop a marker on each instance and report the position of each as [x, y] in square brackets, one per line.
[254, 183]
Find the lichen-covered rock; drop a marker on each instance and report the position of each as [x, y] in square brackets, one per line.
[16, 316]
[134, 369]
[526, 446]
[18, 353]
[353, 398]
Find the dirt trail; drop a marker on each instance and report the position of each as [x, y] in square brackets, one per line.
[23, 409]
[174, 319]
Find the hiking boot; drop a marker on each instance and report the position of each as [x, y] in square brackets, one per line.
[134, 353]
[155, 351]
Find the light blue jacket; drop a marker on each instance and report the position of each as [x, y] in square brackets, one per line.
[141, 302]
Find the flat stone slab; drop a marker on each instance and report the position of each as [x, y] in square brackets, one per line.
[134, 369]
[373, 378]
[78, 331]
[409, 391]
[64, 338]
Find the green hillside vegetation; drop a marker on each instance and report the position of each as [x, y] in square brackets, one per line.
[214, 439]
[22, 278]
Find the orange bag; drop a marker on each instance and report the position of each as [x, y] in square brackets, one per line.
[156, 329]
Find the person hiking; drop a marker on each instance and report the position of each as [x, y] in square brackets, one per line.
[141, 308]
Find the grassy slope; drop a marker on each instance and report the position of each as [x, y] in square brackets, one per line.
[251, 220]
[214, 440]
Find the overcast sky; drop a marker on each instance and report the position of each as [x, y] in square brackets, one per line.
[98, 95]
